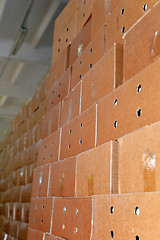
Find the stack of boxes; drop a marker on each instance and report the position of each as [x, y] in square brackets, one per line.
[18, 158]
[97, 173]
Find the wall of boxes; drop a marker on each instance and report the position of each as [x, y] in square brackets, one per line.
[18, 158]
[90, 132]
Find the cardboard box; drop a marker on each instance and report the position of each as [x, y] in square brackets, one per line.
[58, 68]
[72, 218]
[26, 193]
[22, 175]
[25, 212]
[13, 229]
[84, 13]
[104, 77]
[6, 225]
[88, 58]
[59, 90]
[23, 231]
[142, 167]
[15, 179]
[7, 210]
[35, 102]
[41, 177]
[62, 181]
[16, 212]
[43, 88]
[133, 105]
[97, 171]
[79, 135]
[65, 38]
[51, 121]
[40, 214]
[15, 191]
[65, 17]
[7, 196]
[101, 10]
[51, 237]
[35, 234]
[142, 43]
[42, 109]
[80, 42]
[49, 149]
[71, 105]
[122, 18]
[126, 216]
[30, 170]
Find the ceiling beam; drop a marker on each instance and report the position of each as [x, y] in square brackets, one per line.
[5, 126]
[23, 92]
[2, 7]
[45, 22]
[15, 73]
[65, 1]
[3, 100]
[9, 112]
[41, 55]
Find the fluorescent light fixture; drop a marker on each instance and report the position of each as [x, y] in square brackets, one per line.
[19, 40]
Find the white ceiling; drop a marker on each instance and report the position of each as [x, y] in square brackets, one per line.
[20, 75]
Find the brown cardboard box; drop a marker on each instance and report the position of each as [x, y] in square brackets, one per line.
[35, 102]
[97, 171]
[15, 191]
[13, 229]
[126, 216]
[142, 167]
[59, 90]
[7, 210]
[79, 135]
[142, 43]
[41, 177]
[100, 11]
[88, 58]
[131, 106]
[51, 121]
[72, 218]
[25, 212]
[62, 181]
[34, 234]
[49, 149]
[123, 17]
[71, 105]
[18, 161]
[42, 109]
[26, 193]
[58, 68]
[30, 169]
[17, 211]
[22, 175]
[65, 38]
[43, 88]
[6, 225]
[40, 214]
[26, 155]
[84, 13]
[23, 231]
[8, 197]
[15, 179]
[51, 237]
[64, 18]
[2, 209]
[80, 42]
[106, 75]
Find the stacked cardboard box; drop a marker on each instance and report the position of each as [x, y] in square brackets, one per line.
[18, 158]
[97, 174]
